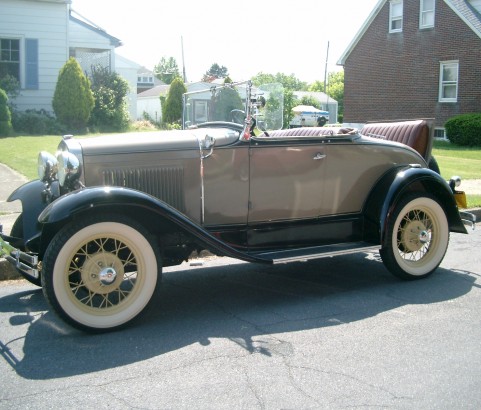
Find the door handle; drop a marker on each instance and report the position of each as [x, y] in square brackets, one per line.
[319, 156]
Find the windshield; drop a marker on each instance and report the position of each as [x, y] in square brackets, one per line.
[239, 103]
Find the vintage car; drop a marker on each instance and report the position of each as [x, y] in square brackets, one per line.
[108, 213]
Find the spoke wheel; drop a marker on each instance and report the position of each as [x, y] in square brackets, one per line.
[100, 274]
[418, 236]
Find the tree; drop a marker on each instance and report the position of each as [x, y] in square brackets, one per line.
[5, 116]
[289, 82]
[310, 100]
[73, 99]
[214, 72]
[167, 70]
[110, 112]
[334, 89]
[172, 111]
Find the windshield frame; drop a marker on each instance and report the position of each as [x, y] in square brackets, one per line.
[213, 115]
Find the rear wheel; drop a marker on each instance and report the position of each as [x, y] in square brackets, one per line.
[417, 238]
[100, 273]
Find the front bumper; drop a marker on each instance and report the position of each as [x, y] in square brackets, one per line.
[26, 263]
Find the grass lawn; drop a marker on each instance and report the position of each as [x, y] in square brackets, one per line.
[20, 153]
[462, 161]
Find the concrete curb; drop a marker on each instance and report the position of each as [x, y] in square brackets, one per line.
[8, 272]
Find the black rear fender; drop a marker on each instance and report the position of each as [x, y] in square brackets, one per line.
[396, 183]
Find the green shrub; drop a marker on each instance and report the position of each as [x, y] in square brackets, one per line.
[110, 111]
[11, 86]
[464, 130]
[172, 110]
[36, 122]
[5, 116]
[73, 99]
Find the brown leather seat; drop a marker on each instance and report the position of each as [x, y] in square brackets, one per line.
[308, 132]
[412, 133]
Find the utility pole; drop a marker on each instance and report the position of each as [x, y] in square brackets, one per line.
[325, 69]
[183, 62]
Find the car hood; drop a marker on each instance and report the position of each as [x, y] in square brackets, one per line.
[137, 142]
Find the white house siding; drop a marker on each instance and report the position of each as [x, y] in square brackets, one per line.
[150, 105]
[128, 70]
[83, 37]
[46, 22]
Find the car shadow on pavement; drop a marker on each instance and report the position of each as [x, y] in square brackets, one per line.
[246, 304]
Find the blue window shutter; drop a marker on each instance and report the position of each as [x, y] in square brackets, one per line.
[31, 64]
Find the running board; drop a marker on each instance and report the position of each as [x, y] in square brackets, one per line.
[316, 252]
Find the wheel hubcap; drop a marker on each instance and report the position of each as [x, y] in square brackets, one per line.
[414, 236]
[107, 275]
[102, 272]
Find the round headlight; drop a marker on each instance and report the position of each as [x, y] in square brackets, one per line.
[68, 167]
[46, 165]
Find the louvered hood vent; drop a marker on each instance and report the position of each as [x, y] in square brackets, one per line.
[165, 183]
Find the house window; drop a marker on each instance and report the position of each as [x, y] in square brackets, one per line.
[426, 15]
[448, 81]
[440, 133]
[200, 111]
[10, 58]
[395, 16]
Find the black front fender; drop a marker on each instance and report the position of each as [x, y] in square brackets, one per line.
[117, 199]
[398, 182]
[33, 203]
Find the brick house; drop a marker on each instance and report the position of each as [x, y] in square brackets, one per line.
[415, 59]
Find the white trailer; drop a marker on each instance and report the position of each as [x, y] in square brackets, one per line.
[308, 116]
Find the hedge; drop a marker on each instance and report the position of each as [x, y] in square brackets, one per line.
[464, 130]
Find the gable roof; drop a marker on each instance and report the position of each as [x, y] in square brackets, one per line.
[83, 21]
[462, 8]
[467, 13]
[156, 91]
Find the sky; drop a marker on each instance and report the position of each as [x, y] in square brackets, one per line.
[245, 36]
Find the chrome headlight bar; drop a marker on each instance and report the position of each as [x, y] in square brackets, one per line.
[65, 167]
[68, 168]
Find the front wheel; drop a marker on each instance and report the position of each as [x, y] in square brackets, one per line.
[101, 272]
[417, 238]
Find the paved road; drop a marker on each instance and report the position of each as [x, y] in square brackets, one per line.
[335, 333]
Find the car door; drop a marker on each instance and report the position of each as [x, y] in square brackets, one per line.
[286, 179]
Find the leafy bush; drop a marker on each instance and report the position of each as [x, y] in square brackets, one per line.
[73, 100]
[143, 125]
[110, 112]
[36, 122]
[464, 130]
[10, 85]
[5, 116]
[147, 117]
